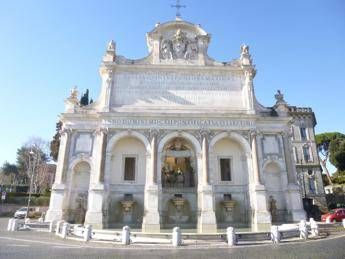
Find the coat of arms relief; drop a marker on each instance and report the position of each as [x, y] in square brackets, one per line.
[179, 47]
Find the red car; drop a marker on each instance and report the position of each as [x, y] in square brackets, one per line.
[336, 215]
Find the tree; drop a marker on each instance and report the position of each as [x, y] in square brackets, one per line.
[31, 161]
[9, 174]
[55, 143]
[84, 100]
[331, 146]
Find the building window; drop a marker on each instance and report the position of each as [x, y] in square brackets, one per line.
[225, 169]
[129, 170]
[306, 154]
[303, 132]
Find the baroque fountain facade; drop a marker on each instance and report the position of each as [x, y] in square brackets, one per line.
[176, 138]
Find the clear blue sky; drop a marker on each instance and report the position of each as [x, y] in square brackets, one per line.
[48, 46]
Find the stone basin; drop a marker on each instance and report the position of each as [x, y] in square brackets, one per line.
[229, 204]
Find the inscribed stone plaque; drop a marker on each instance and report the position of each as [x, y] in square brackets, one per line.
[83, 143]
[271, 145]
[177, 88]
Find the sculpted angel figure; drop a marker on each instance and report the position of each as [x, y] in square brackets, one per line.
[192, 51]
[166, 49]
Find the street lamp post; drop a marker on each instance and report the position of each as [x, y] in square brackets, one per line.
[32, 169]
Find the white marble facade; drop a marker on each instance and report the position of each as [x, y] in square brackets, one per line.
[176, 138]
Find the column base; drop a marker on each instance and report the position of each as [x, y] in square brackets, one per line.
[53, 215]
[294, 202]
[95, 219]
[56, 210]
[298, 215]
[151, 228]
[151, 220]
[207, 222]
[261, 221]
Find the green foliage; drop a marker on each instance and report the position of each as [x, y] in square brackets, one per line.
[338, 177]
[323, 140]
[84, 100]
[332, 144]
[27, 154]
[55, 143]
[8, 168]
[337, 153]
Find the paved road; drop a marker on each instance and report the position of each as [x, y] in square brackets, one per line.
[44, 245]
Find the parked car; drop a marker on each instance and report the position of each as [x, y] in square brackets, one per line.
[336, 215]
[21, 213]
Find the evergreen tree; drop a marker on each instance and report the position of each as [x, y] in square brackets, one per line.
[55, 143]
[84, 100]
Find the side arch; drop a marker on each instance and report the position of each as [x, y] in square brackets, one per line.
[234, 136]
[114, 139]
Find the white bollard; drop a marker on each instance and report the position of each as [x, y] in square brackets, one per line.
[328, 220]
[27, 220]
[126, 235]
[9, 226]
[314, 227]
[51, 226]
[87, 235]
[15, 225]
[344, 223]
[303, 231]
[275, 235]
[58, 225]
[176, 237]
[40, 219]
[64, 231]
[231, 236]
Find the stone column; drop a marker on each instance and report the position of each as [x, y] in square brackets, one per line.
[207, 218]
[205, 161]
[94, 214]
[261, 219]
[151, 220]
[55, 211]
[256, 169]
[293, 195]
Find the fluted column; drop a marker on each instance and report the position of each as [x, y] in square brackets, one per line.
[291, 169]
[62, 164]
[153, 171]
[94, 214]
[261, 217]
[99, 154]
[205, 159]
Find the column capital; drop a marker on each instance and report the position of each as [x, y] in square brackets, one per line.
[101, 130]
[66, 131]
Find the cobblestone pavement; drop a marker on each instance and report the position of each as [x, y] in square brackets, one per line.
[27, 244]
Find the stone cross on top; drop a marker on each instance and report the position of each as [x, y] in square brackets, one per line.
[178, 6]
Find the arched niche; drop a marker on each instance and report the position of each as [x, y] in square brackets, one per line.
[275, 183]
[179, 164]
[79, 188]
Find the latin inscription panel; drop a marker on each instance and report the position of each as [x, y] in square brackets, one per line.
[172, 88]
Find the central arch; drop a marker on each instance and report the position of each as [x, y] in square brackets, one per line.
[178, 169]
